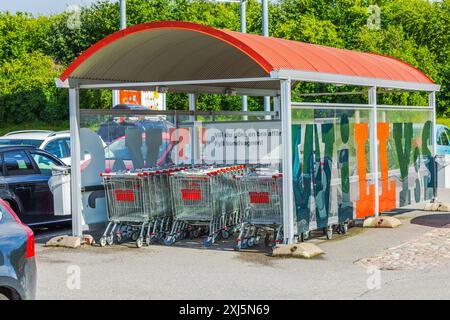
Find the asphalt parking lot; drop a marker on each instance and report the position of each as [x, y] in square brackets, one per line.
[188, 271]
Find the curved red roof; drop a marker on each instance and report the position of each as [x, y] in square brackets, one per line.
[272, 54]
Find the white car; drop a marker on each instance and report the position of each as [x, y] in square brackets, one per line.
[56, 143]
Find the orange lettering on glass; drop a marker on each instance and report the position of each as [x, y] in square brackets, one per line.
[365, 206]
[387, 196]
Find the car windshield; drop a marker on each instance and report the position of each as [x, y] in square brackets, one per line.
[21, 142]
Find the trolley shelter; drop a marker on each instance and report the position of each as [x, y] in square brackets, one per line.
[339, 161]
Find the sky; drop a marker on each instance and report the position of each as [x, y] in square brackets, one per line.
[45, 7]
[41, 7]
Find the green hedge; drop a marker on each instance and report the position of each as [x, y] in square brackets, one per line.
[33, 51]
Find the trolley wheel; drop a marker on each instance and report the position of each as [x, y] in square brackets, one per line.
[268, 240]
[139, 242]
[257, 239]
[344, 228]
[208, 242]
[102, 241]
[135, 236]
[110, 240]
[305, 236]
[225, 234]
[328, 232]
[169, 241]
[238, 245]
[148, 241]
[251, 242]
[196, 233]
[244, 243]
[119, 238]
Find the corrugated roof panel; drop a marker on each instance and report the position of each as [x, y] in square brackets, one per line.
[170, 50]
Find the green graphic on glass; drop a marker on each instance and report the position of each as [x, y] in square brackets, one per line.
[403, 133]
[345, 208]
[428, 180]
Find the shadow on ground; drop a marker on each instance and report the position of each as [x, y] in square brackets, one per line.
[433, 220]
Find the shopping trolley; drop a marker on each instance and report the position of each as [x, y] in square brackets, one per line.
[157, 202]
[125, 207]
[261, 194]
[204, 197]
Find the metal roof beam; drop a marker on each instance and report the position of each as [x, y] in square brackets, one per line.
[307, 76]
[115, 85]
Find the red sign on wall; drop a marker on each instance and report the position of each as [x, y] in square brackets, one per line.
[129, 97]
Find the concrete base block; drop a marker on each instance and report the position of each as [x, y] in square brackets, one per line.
[297, 250]
[88, 239]
[432, 206]
[444, 207]
[382, 222]
[64, 241]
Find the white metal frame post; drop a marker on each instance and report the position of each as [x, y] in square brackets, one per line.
[432, 103]
[192, 107]
[286, 143]
[75, 181]
[276, 105]
[373, 137]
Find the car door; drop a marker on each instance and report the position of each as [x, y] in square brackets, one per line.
[58, 148]
[42, 194]
[20, 177]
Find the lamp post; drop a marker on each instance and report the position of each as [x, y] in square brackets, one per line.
[265, 31]
[123, 14]
[123, 25]
[244, 30]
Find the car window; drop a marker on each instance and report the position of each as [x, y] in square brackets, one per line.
[44, 163]
[443, 139]
[5, 215]
[21, 142]
[17, 163]
[448, 133]
[67, 141]
[57, 148]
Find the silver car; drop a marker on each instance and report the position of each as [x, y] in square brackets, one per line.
[56, 143]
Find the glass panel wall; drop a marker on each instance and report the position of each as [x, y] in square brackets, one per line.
[333, 180]
[405, 156]
[126, 141]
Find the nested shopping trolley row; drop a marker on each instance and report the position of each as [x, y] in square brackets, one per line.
[139, 205]
[205, 198]
[166, 205]
[261, 197]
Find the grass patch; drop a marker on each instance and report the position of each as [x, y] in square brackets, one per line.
[36, 125]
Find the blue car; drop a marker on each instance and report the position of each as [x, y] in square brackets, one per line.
[442, 139]
[17, 261]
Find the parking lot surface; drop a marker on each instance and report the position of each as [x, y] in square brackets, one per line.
[188, 271]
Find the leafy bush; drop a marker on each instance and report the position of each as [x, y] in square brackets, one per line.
[33, 51]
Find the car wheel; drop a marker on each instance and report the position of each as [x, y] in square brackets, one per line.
[3, 297]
